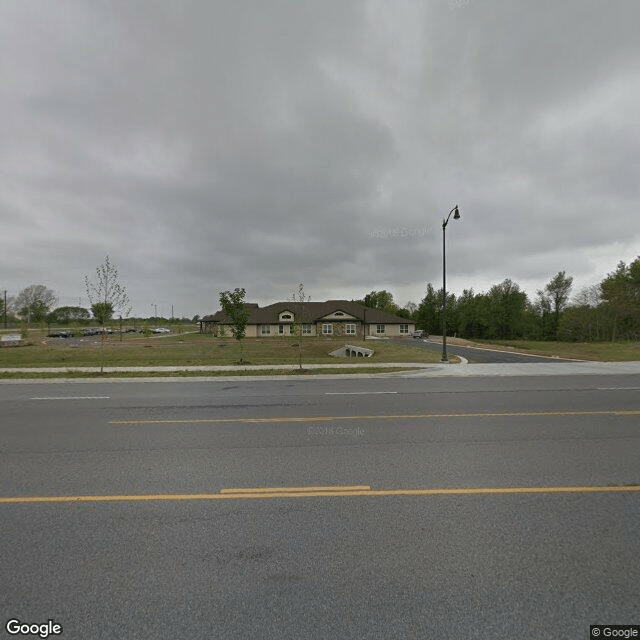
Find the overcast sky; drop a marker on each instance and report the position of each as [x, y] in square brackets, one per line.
[210, 145]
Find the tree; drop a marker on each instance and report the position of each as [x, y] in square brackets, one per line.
[107, 296]
[102, 312]
[428, 313]
[300, 299]
[621, 296]
[473, 313]
[63, 315]
[233, 307]
[381, 300]
[553, 301]
[411, 308]
[506, 313]
[34, 302]
[585, 319]
[428, 317]
[8, 308]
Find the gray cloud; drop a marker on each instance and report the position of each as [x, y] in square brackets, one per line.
[208, 145]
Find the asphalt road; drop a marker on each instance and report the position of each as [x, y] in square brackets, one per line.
[541, 562]
[477, 354]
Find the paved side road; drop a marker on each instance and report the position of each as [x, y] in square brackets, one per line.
[480, 354]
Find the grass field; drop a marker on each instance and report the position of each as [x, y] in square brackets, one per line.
[598, 351]
[195, 349]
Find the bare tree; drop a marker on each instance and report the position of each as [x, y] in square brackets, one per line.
[411, 307]
[588, 296]
[300, 299]
[107, 296]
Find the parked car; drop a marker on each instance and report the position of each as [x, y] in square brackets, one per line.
[419, 334]
[161, 330]
[63, 333]
[96, 331]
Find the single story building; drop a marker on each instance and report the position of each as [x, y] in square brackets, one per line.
[330, 318]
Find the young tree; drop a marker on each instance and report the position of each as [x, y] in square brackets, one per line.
[300, 299]
[233, 307]
[107, 296]
[34, 302]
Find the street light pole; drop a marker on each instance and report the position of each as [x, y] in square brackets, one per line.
[456, 216]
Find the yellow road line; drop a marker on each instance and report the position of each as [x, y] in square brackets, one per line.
[319, 492]
[333, 489]
[404, 416]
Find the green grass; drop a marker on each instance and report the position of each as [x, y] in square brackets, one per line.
[598, 351]
[197, 349]
[197, 374]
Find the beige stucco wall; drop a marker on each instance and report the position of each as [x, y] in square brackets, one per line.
[339, 330]
[391, 330]
[289, 330]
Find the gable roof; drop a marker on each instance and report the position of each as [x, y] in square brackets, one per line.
[311, 312]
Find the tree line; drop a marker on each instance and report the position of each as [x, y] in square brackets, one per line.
[609, 310]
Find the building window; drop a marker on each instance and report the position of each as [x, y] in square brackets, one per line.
[350, 329]
[281, 329]
[286, 316]
[327, 329]
[380, 328]
[306, 329]
[265, 330]
[404, 328]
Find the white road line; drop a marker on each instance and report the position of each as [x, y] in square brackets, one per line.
[357, 393]
[73, 398]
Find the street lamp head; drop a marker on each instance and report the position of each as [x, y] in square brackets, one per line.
[456, 213]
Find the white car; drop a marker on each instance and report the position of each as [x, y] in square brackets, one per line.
[161, 330]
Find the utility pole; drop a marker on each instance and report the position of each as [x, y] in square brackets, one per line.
[5, 308]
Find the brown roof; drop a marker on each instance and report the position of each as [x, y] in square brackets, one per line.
[311, 312]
